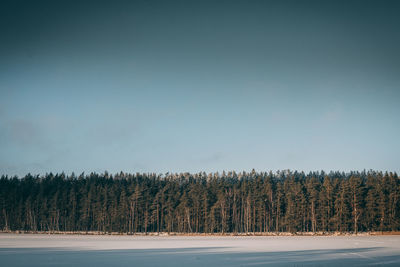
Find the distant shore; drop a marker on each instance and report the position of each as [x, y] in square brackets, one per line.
[374, 233]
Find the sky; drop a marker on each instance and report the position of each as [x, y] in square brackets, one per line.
[176, 86]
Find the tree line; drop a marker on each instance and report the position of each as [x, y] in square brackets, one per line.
[226, 202]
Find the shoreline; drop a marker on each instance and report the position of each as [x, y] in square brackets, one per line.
[165, 234]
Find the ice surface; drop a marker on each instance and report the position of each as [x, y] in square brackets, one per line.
[103, 250]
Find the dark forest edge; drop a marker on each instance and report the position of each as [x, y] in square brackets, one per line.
[245, 203]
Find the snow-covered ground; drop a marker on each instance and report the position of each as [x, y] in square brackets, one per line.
[84, 250]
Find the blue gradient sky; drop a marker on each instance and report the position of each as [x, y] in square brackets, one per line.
[199, 86]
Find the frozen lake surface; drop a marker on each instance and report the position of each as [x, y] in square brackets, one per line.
[83, 250]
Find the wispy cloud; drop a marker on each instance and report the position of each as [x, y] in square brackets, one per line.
[22, 132]
[334, 113]
[214, 157]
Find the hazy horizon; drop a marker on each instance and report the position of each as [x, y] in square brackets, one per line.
[192, 86]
